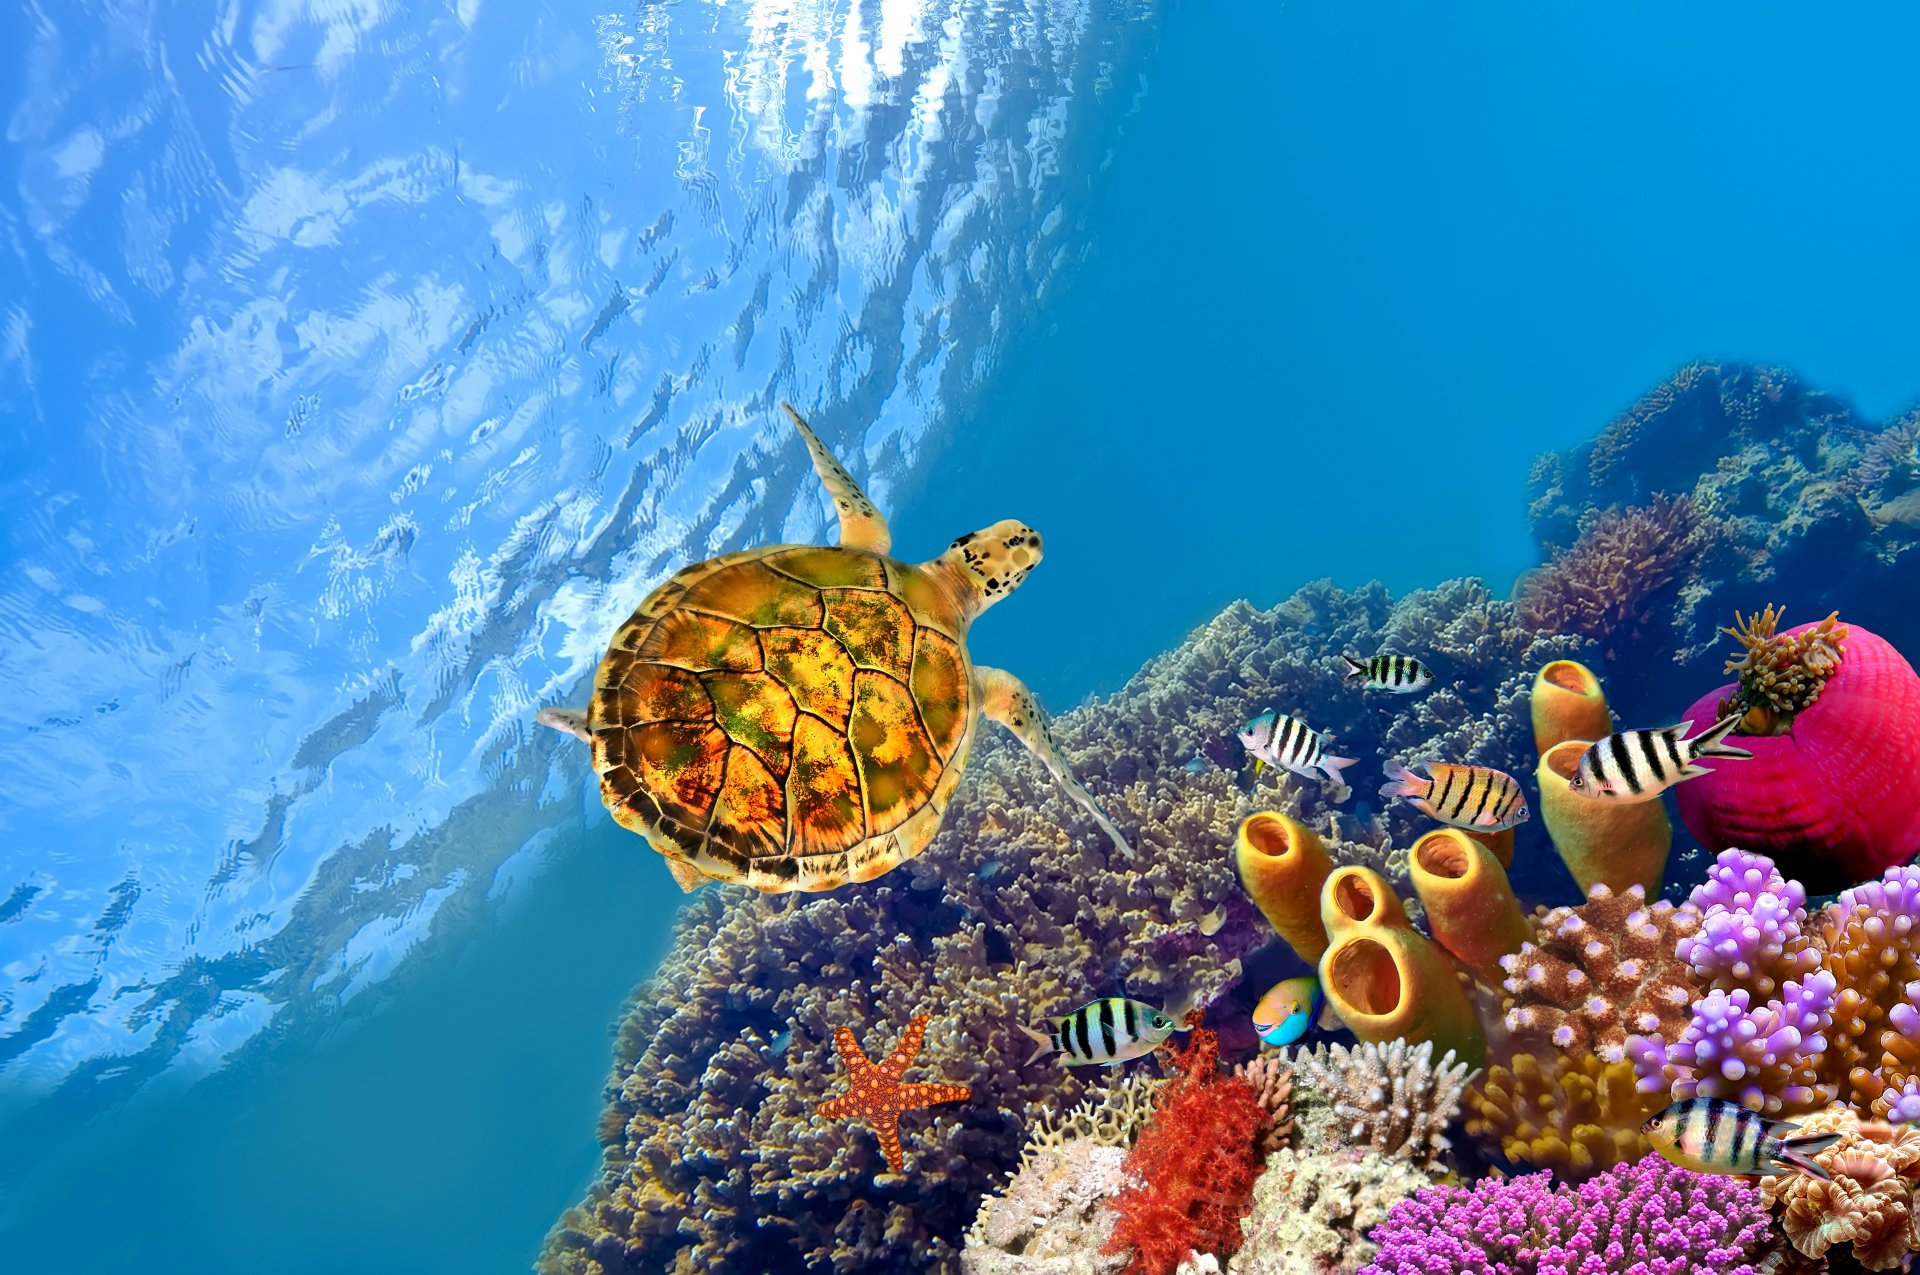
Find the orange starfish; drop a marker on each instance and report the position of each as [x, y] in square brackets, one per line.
[875, 1093]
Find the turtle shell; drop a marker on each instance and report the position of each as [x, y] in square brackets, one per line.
[791, 718]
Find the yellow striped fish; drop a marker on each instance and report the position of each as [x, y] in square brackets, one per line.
[1712, 1135]
[1105, 1032]
[1477, 798]
[1639, 765]
[1401, 674]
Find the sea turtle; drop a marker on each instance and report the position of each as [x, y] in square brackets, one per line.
[797, 717]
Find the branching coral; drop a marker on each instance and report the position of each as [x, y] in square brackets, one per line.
[1190, 1176]
[1599, 972]
[1110, 1116]
[1569, 1112]
[1272, 1081]
[1870, 935]
[1647, 1218]
[1393, 1099]
[1761, 1056]
[1780, 675]
[1752, 930]
[1606, 584]
[1312, 1211]
[1869, 1202]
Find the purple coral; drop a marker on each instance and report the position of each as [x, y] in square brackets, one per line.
[1762, 1058]
[1751, 921]
[1646, 1218]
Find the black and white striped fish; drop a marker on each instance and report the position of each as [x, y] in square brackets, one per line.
[1401, 674]
[1478, 798]
[1712, 1135]
[1105, 1032]
[1639, 765]
[1289, 742]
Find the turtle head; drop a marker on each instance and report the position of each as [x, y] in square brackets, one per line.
[986, 565]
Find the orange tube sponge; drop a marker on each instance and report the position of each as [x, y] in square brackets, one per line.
[1568, 704]
[1470, 904]
[1353, 897]
[1283, 866]
[1620, 844]
[1391, 983]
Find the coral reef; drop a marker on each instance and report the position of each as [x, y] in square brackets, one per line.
[1394, 1100]
[1600, 972]
[713, 1159]
[1869, 1203]
[1648, 1218]
[1111, 1116]
[1752, 928]
[1312, 1211]
[1763, 1056]
[1053, 1218]
[1189, 1179]
[1624, 568]
[1869, 949]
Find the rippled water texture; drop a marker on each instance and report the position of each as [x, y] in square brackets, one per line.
[381, 357]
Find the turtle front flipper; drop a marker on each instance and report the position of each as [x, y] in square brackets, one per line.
[1005, 699]
[571, 720]
[861, 526]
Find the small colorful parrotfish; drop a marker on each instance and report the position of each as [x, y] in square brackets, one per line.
[1289, 742]
[1401, 674]
[1712, 1135]
[1106, 1032]
[1639, 765]
[1477, 798]
[1291, 1008]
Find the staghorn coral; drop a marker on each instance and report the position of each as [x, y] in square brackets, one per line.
[1599, 972]
[1053, 1218]
[1645, 1218]
[1190, 1176]
[1393, 1099]
[1570, 1112]
[1780, 675]
[1868, 1204]
[1312, 1211]
[1608, 584]
[712, 1159]
[1753, 928]
[1272, 1081]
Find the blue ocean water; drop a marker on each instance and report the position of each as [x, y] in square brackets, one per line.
[362, 364]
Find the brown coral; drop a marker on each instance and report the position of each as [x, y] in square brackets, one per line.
[1780, 676]
[1868, 1204]
[1272, 1082]
[1869, 950]
[1600, 972]
[1607, 583]
[1569, 1112]
[1393, 1099]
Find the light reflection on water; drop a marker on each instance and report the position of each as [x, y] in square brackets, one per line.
[362, 365]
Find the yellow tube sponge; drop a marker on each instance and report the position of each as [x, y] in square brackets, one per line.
[1353, 897]
[1283, 866]
[1568, 704]
[1391, 983]
[1618, 844]
[1470, 904]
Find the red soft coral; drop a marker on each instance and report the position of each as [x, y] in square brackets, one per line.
[1190, 1176]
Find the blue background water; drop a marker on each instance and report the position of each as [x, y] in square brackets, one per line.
[1346, 275]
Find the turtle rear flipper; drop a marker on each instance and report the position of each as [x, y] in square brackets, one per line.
[573, 721]
[861, 526]
[1005, 699]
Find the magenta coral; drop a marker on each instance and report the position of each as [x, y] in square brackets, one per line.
[1646, 1218]
[1751, 927]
